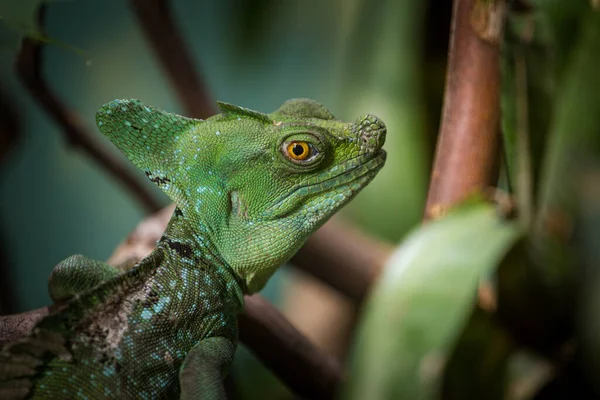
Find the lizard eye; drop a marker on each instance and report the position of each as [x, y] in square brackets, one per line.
[300, 151]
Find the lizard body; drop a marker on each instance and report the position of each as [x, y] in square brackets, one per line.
[249, 188]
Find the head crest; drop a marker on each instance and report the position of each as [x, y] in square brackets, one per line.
[148, 137]
[304, 108]
[233, 111]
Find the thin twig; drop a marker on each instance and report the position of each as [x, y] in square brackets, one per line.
[172, 53]
[29, 69]
[467, 149]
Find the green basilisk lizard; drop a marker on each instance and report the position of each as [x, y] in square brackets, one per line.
[249, 189]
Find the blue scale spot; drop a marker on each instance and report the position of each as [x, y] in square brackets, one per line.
[146, 314]
[161, 304]
[108, 371]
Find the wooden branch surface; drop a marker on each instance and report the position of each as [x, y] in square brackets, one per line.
[305, 369]
[468, 144]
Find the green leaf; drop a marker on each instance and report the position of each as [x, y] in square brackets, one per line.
[422, 301]
[576, 122]
[527, 98]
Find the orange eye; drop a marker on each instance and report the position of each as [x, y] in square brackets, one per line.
[298, 150]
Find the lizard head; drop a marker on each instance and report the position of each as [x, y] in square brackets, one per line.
[252, 185]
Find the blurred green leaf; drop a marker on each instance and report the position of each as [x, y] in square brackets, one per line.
[576, 123]
[544, 283]
[422, 301]
[560, 46]
[527, 98]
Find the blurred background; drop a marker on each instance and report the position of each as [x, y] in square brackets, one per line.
[385, 57]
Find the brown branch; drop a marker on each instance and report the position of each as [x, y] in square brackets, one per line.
[12, 327]
[343, 257]
[468, 145]
[297, 362]
[29, 68]
[172, 53]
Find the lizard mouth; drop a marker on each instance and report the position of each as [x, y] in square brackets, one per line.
[355, 173]
[351, 170]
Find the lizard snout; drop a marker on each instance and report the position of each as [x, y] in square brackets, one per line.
[371, 133]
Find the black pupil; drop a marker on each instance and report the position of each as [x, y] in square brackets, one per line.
[298, 150]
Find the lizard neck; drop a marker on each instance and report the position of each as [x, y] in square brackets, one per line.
[188, 247]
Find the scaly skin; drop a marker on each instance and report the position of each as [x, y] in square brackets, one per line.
[249, 188]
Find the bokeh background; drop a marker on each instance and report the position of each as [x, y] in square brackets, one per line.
[382, 57]
[385, 57]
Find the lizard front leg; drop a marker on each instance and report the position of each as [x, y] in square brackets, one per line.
[204, 368]
[76, 274]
